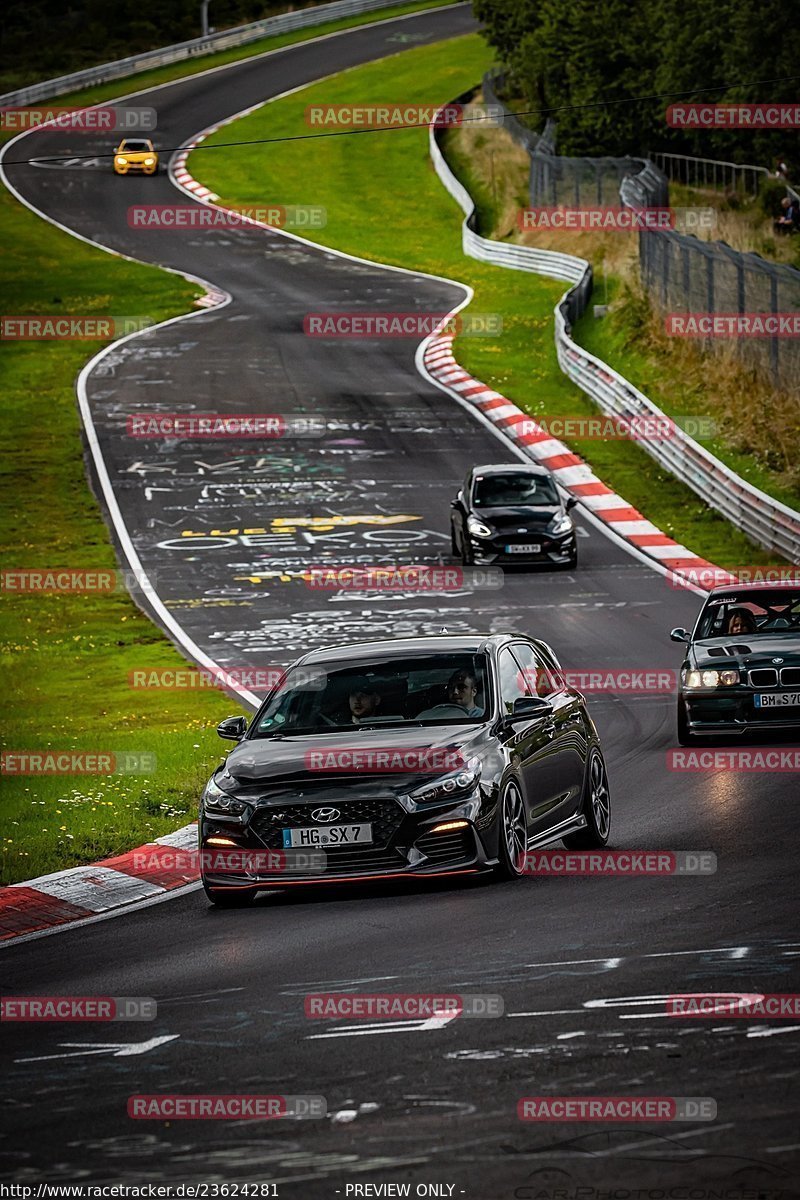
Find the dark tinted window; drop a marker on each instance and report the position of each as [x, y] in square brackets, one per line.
[496, 491]
[434, 688]
[750, 612]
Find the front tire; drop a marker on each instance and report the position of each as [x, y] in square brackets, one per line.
[596, 807]
[513, 833]
[229, 897]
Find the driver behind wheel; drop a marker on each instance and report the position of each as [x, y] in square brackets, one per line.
[462, 690]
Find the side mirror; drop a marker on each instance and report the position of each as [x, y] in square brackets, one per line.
[457, 501]
[679, 635]
[570, 503]
[529, 708]
[232, 729]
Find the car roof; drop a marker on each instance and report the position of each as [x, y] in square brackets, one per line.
[755, 586]
[396, 647]
[519, 468]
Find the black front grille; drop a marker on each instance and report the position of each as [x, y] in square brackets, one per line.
[440, 848]
[384, 816]
[764, 677]
[790, 676]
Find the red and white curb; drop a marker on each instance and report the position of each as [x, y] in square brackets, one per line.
[569, 470]
[79, 893]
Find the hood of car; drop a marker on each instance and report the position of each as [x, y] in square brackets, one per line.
[519, 520]
[747, 651]
[397, 757]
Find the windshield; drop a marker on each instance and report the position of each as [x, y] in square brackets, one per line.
[442, 689]
[750, 613]
[135, 146]
[497, 491]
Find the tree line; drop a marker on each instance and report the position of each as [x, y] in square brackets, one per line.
[612, 67]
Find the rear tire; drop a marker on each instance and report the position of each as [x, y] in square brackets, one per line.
[229, 898]
[596, 807]
[513, 833]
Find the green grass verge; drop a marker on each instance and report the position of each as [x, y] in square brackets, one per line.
[385, 203]
[66, 658]
[204, 62]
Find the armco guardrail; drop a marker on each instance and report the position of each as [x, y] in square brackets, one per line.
[238, 36]
[767, 521]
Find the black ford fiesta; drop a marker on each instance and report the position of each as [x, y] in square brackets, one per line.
[407, 758]
[513, 513]
[741, 672]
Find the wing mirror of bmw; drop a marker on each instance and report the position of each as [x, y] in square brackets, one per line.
[528, 708]
[570, 503]
[232, 729]
[679, 635]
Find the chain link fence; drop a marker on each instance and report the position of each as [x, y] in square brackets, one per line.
[683, 275]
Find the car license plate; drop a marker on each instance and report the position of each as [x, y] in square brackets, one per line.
[527, 548]
[776, 699]
[330, 835]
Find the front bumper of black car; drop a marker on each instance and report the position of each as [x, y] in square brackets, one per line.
[550, 549]
[734, 711]
[405, 844]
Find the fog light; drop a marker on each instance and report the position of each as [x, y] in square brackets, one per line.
[220, 841]
[446, 825]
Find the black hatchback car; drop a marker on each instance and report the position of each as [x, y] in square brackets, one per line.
[741, 672]
[512, 513]
[408, 758]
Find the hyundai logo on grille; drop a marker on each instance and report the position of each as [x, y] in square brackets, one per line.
[325, 814]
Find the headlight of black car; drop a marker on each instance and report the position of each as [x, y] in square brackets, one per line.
[220, 804]
[561, 525]
[693, 680]
[448, 786]
[478, 528]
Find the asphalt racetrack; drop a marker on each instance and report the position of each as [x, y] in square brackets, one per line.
[581, 963]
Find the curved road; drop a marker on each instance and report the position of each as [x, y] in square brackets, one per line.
[221, 528]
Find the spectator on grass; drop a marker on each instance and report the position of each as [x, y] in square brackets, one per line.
[789, 220]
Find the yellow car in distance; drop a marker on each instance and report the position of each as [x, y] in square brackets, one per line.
[135, 154]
